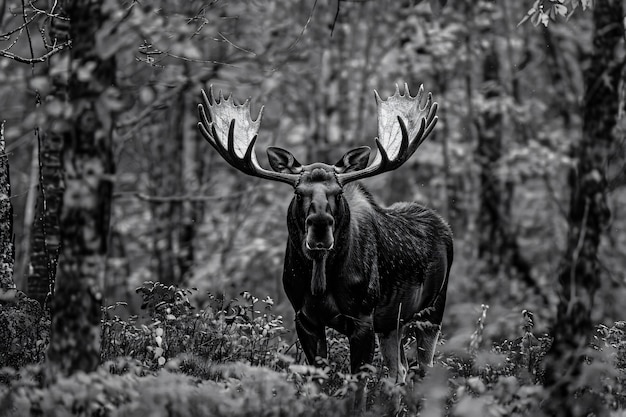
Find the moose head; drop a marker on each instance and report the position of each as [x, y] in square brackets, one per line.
[403, 124]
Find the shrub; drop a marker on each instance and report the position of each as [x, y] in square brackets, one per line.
[231, 359]
[24, 332]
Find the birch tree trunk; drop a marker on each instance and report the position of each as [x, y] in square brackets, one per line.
[45, 237]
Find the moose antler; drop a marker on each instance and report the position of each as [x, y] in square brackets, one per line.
[402, 127]
[229, 128]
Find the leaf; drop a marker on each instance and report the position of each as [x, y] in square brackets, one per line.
[437, 5]
[41, 84]
[531, 13]
[560, 9]
[186, 50]
[535, 18]
[114, 37]
[473, 407]
[85, 71]
[55, 107]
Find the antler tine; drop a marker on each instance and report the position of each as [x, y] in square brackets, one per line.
[403, 125]
[229, 129]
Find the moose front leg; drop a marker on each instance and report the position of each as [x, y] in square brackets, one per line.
[312, 337]
[362, 346]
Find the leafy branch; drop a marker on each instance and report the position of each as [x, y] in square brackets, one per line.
[544, 11]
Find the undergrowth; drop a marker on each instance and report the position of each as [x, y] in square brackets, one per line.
[232, 359]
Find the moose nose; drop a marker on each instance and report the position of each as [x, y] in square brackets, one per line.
[320, 220]
[319, 232]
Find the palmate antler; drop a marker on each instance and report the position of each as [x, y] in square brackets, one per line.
[229, 128]
[402, 127]
[403, 124]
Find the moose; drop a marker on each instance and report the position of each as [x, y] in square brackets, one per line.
[351, 264]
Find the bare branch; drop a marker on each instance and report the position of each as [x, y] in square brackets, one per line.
[228, 41]
[7, 35]
[30, 41]
[43, 58]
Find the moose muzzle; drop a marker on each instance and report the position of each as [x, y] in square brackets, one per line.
[318, 241]
[319, 232]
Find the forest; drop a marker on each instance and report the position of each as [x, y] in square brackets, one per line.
[141, 274]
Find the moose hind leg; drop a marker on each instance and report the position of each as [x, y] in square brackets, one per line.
[392, 352]
[427, 335]
[393, 355]
[312, 337]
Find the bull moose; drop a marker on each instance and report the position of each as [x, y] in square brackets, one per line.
[351, 264]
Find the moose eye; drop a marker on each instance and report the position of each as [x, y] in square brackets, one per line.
[298, 197]
[338, 197]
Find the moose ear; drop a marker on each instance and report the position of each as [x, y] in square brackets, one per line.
[354, 160]
[283, 161]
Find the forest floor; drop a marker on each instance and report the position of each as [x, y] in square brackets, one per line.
[234, 358]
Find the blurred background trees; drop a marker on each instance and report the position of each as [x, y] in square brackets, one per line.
[497, 168]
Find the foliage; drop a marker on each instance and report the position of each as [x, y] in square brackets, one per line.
[224, 332]
[182, 216]
[544, 11]
[24, 331]
[230, 359]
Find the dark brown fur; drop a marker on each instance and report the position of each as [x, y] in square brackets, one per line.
[389, 267]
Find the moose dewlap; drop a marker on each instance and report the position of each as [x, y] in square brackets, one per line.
[351, 264]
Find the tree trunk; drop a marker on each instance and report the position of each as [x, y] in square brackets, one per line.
[85, 127]
[167, 181]
[190, 211]
[22, 269]
[46, 233]
[22, 317]
[7, 249]
[45, 238]
[497, 243]
[489, 151]
[579, 275]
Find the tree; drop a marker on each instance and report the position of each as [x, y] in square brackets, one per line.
[580, 271]
[45, 238]
[85, 126]
[45, 234]
[7, 250]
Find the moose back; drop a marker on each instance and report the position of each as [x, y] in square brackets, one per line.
[351, 264]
